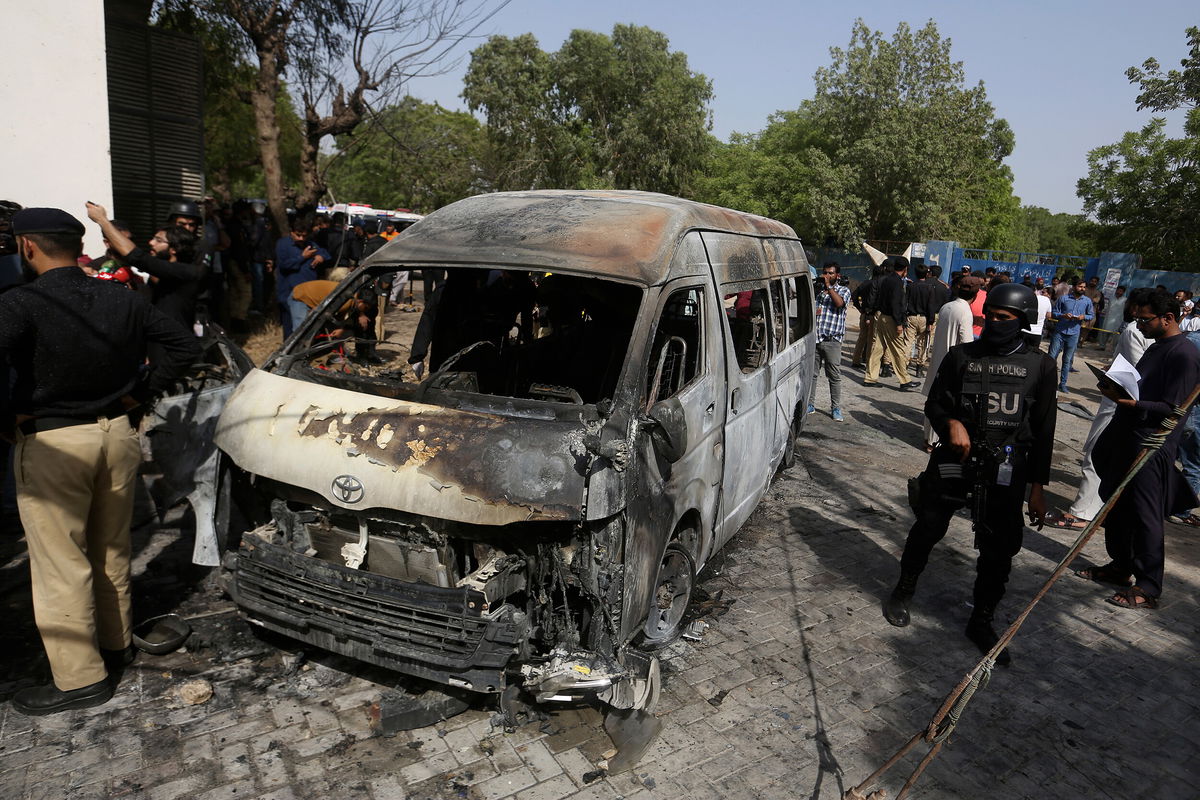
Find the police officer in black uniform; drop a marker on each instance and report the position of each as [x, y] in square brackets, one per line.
[992, 404]
[77, 347]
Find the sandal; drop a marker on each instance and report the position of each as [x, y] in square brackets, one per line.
[1108, 573]
[1134, 598]
[1069, 522]
[1186, 519]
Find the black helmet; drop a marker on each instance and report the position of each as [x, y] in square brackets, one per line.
[184, 208]
[1015, 297]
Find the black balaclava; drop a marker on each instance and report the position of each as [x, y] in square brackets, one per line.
[1001, 337]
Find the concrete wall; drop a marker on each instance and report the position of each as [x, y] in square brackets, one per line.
[54, 143]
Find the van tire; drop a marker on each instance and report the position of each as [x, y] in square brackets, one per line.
[670, 599]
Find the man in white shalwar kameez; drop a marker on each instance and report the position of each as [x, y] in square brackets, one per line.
[1130, 344]
[953, 327]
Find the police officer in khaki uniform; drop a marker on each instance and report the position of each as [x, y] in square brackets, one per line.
[77, 346]
[992, 404]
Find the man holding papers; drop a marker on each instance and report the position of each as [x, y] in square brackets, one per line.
[1133, 531]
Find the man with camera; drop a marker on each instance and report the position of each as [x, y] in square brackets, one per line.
[992, 405]
[296, 262]
[832, 299]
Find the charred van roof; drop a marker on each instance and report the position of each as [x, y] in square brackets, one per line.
[624, 235]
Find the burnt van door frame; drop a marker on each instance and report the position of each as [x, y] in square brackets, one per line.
[665, 493]
[739, 263]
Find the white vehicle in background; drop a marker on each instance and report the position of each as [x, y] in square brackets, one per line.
[403, 218]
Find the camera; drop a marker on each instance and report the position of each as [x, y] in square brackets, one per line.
[819, 283]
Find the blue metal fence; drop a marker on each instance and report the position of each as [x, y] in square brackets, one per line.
[1018, 265]
[857, 265]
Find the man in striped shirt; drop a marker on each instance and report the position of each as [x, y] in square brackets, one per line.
[832, 300]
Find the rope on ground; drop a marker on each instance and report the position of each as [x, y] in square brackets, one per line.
[949, 713]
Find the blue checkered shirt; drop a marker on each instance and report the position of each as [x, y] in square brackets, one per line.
[831, 320]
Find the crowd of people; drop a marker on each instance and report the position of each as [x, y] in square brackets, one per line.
[990, 412]
[225, 263]
[81, 358]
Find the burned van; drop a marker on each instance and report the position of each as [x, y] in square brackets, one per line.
[611, 380]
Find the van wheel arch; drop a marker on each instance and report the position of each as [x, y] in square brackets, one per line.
[793, 437]
[674, 583]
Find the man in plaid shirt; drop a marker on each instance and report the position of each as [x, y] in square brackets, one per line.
[832, 301]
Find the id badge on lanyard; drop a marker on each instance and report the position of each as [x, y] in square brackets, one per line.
[1004, 472]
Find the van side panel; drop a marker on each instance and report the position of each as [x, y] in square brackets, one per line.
[793, 364]
[742, 273]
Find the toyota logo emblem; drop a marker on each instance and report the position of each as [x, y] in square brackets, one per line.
[347, 488]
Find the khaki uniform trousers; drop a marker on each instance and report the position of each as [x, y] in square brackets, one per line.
[896, 346]
[75, 495]
[866, 332]
[917, 332]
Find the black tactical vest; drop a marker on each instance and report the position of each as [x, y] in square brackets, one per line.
[997, 396]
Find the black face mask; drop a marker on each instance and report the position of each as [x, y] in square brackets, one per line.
[1001, 336]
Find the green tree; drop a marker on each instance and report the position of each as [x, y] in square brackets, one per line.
[1145, 189]
[411, 155]
[338, 55]
[1043, 231]
[530, 142]
[233, 161]
[1145, 193]
[620, 111]
[894, 145]
[925, 149]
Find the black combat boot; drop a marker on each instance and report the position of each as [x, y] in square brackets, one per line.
[895, 607]
[980, 631]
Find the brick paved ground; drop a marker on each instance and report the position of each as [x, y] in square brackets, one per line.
[799, 690]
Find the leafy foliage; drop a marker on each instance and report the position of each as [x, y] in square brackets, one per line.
[1145, 189]
[338, 55]
[1174, 89]
[619, 111]
[1038, 230]
[232, 157]
[894, 145]
[1145, 192]
[411, 155]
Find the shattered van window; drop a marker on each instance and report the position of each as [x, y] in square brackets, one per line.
[746, 313]
[505, 332]
[801, 308]
[675, 356]
[779, 312]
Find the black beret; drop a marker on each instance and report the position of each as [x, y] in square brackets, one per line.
[45, 220]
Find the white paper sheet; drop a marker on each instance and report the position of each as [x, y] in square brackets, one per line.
[1125, 374]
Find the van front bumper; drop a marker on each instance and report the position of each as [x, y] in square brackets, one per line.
[441, 634]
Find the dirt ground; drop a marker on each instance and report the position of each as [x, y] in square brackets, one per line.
[400, 323]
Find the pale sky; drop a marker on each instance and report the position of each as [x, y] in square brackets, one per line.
[1053, 68]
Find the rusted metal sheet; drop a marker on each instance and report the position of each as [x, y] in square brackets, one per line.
[439, 462]
[619, 235]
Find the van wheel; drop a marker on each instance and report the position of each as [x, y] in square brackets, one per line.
[669, 601]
